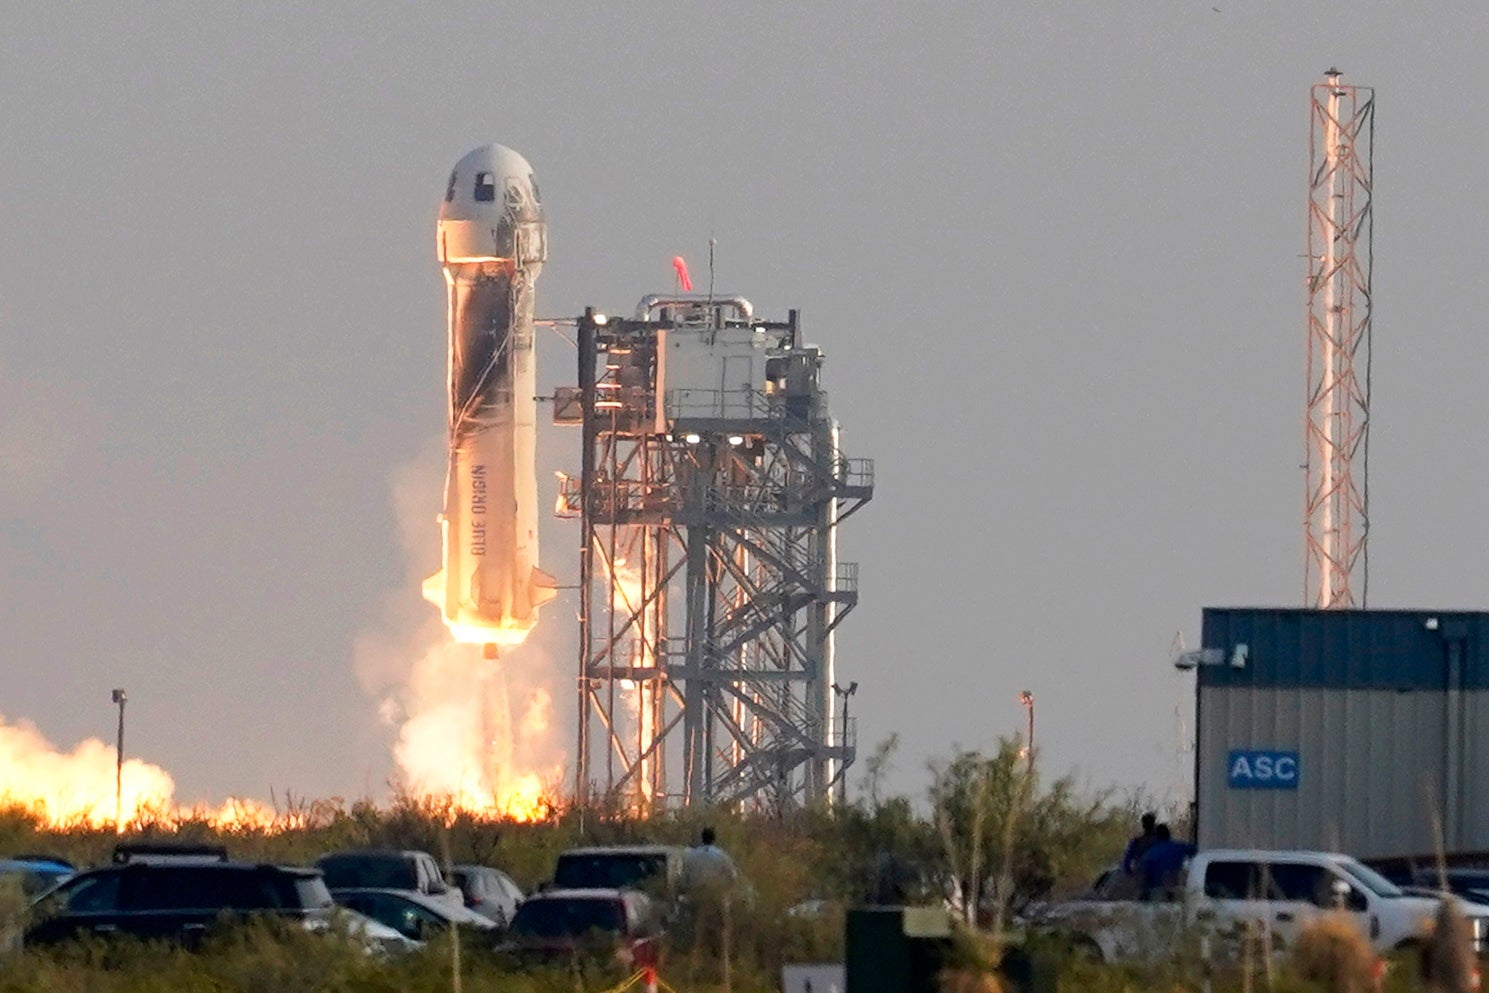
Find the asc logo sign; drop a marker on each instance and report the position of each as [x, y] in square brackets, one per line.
[1247, 769]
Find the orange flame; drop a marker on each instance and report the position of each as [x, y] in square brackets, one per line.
[457, 739]
[457, 743]
[77, 788]
[66, 789]
[628, 600]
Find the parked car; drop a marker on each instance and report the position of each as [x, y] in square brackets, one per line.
[178, 902]
[1227, 889]
[168, 852]
[35, 875]
[489, 892]
[410, 871]
[1468, 884]
[44, 857]
[413, 915]
[653, 868]
[375, 936]
[616, 924]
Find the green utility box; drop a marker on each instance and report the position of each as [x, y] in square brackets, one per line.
[1028, 972]
[904, 949]
[896, 949]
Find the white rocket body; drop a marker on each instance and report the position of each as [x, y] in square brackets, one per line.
[491, 240]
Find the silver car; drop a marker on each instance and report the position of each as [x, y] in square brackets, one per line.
[416, 917]
[489, 892]
[411, 871]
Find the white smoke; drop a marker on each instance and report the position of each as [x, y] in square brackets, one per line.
[452, 710]
[44, 422]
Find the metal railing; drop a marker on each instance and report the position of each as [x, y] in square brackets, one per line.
[847, 732]
[613, 497]
[737, 405]
[845, 577]
[751, 499]
[855, 472]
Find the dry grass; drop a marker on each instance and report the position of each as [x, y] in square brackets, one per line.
[835, 858]
[968, 981]
[1331, 952]
[13, 908]
[1448, 964]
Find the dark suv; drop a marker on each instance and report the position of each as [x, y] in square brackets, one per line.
[175, 901]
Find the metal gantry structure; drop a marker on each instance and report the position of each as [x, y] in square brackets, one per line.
[710, 496]
[1336, 509]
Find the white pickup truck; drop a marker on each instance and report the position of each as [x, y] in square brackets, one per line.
[1227, 892]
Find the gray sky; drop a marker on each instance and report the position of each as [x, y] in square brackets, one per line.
[1053, 252]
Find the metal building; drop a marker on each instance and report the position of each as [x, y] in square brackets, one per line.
[710, 496]
[1350, 730]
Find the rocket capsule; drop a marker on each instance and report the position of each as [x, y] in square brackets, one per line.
[492, 211]
[491, 240]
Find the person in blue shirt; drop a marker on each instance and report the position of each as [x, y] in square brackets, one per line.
[1139, 845]
[1161, 864]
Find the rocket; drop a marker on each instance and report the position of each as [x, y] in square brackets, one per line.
[491, 240]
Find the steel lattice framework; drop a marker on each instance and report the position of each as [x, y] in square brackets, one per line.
[1336, 518]
[710, 588]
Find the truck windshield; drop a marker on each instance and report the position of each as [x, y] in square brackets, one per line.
[609, 870]
[1369, 878]
[347, 872]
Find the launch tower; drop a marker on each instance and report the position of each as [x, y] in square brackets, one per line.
[710, 495]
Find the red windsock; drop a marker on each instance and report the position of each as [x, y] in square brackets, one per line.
[680, 266]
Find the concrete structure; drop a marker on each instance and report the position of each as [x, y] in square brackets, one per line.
[1345, 730]
[710, 497]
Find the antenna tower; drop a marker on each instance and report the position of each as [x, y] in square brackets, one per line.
[1336, 521]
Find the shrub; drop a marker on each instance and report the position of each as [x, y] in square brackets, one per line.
[1448, 958]
[13, 907]
[1331, 951]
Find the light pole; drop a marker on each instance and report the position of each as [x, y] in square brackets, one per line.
[1027, 699]
[120, 699]
[844, 693]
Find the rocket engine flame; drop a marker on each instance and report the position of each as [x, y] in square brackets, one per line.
[458, 740]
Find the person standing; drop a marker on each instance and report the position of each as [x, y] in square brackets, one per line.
[708, 880]
[1162, 864]
[706, 866]
[1140, 844]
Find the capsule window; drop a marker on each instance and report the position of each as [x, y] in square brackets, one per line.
[450, 189]
[485, 187]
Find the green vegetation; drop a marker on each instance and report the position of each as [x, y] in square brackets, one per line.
[986, 826]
